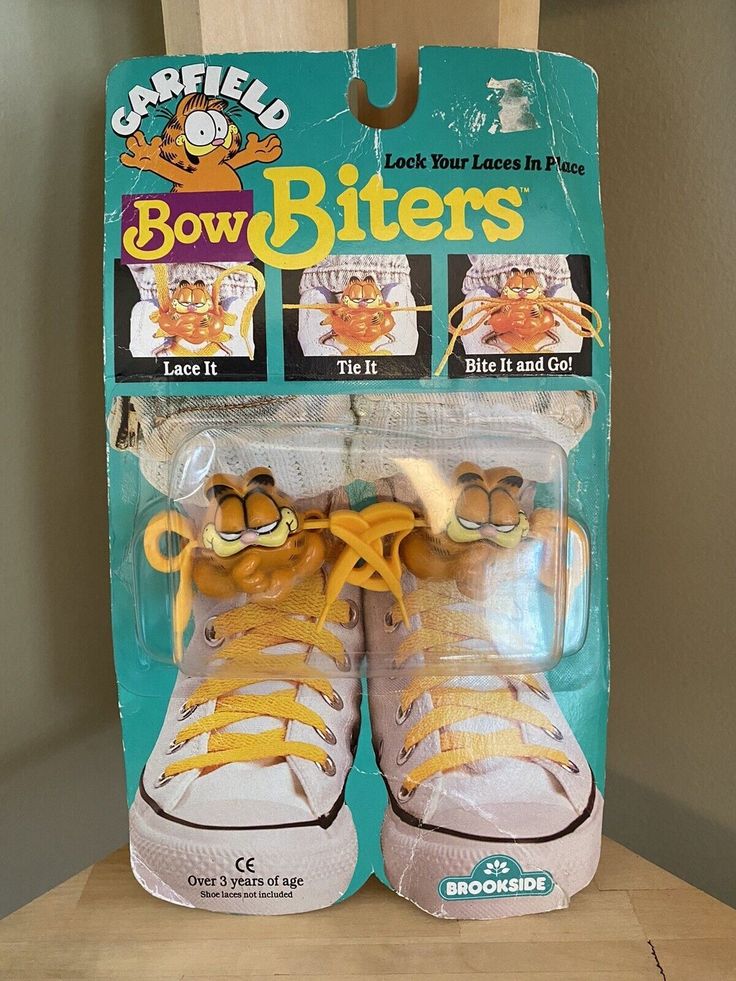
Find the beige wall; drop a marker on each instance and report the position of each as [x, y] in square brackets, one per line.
[667, 72]
[61, 781]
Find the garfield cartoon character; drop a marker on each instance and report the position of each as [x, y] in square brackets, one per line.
[484, 514]
[192, 320]
[191, 315]
[523, 317]
[253, 540]
[524, 320]
[361, 317]
[200, 148]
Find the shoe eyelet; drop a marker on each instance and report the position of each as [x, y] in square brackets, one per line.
[404, 754]
[354, 616]
[401, 715]
[327, 735]
[345, 665]
[388, 623]
[210, 637]
[328, 766]
[185, 711]
[537, 691]
[570, 767]
[334, 700]
[553, 732]
[404, 794]
[174, 746]
[161, 780]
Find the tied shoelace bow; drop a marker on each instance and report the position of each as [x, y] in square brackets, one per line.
[245, 638]
[445, 631]
[354, 346]
[486, 305]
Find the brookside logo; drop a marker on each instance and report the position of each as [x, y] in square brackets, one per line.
[496, 877]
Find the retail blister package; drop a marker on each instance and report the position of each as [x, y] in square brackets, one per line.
[358, 478]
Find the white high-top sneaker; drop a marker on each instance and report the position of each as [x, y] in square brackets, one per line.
[241, 805]
[493, 810]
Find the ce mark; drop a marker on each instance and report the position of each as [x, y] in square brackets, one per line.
[243, 864]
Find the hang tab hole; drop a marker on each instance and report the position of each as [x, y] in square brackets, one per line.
[407, 94]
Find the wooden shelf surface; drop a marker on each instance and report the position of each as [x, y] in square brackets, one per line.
[635, 921]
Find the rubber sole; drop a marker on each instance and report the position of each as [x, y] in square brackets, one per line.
[416, 861]
[252, 872]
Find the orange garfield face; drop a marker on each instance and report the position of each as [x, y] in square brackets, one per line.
[487, 507]
[253, 539]
[198, 128]
[484, 514]
[522, 285]
[362, 313]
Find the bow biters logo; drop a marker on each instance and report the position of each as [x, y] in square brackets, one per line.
[496, 877]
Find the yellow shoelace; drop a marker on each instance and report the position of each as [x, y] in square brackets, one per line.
[247, 635]
[486, 305]
[442, 633]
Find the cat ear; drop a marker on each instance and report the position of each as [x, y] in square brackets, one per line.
[216, 490]
[369, 279]
[514, 480]
[353, 279]
[515, 271]
[506, 477]
[261, 476]
[184, 282]
[528, 271]
[200, 283]
[468, 473]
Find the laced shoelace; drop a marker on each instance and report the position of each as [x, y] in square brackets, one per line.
[245, 638]
[444, 632]
[163, 293]
[485, 306]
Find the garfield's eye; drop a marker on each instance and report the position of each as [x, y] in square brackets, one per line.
[505, 528]
[199, 128]
[221, 124]
[267, 529]
[468, 525]
[230, 536]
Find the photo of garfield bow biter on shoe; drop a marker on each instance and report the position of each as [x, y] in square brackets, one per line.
[521, 309]
[192, 320]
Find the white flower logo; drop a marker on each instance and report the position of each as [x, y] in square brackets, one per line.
[496, 867]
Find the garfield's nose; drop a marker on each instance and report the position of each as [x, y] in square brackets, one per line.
[217, 142]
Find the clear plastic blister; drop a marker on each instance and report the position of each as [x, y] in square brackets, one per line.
[311, 552]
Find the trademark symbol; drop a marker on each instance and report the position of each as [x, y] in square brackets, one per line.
[525, 190]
